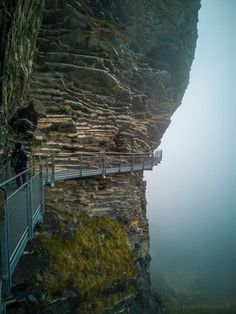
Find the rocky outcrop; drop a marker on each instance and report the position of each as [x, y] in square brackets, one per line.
[19, 25]
[110, 76]
[107, 77]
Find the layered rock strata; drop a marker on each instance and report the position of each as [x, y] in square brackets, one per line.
[107, 77]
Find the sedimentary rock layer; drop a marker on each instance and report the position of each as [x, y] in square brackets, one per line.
[109, 76]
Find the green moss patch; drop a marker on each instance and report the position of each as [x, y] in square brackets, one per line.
[92, 261]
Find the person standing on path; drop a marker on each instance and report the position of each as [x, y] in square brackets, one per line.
[19, 163]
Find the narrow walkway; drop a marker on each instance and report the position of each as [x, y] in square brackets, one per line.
[22, 208]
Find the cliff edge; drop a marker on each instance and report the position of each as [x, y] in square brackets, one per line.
[91, 76]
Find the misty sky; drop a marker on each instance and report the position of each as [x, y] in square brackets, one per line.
[192, 194]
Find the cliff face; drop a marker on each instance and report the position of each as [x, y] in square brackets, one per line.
[110, 76]
[107, 75]
[19, 25]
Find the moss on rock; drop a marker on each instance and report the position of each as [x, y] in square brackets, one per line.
[95, 261]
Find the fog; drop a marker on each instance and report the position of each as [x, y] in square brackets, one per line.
[192, 193]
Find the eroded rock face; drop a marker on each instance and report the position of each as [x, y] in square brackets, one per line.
[111, 74]
[108, 76]
[19, 25]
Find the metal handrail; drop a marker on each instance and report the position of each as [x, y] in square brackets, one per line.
[155, 157]
[46, 172]
[128, 154]
[17, 175]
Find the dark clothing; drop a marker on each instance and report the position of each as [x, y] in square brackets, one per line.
[19, 163]
[21, 157]
[23, 176]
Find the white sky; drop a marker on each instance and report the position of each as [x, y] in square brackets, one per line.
[192, 194]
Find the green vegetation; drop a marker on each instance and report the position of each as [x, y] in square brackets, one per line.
[91, 260]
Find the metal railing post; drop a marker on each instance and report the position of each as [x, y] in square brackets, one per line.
[2, 303]
[143, 161]
[132, 163]
[8, 170]
[152, 160]
[53, 171]
[29, 204]
[33, 164]
[104, 164]
[81, 165]
[41, 187]
[3, 173]
[4, 245]
[46, 170]
[156, 161]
